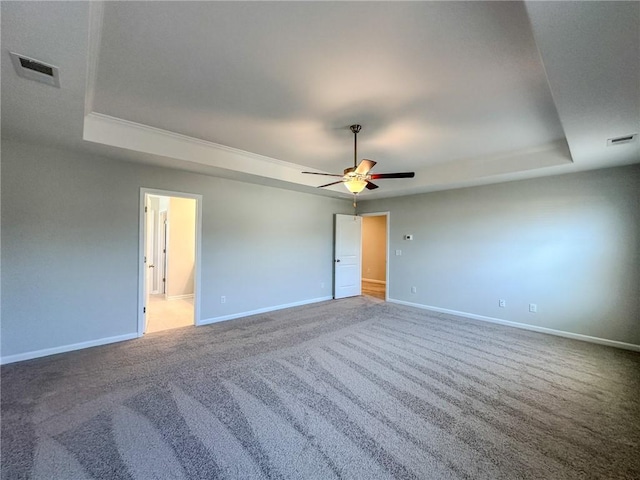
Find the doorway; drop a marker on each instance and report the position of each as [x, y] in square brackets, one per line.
[375, 255]
[170, 260]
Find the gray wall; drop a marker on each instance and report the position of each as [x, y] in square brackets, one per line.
[70, 245]
[570, 244]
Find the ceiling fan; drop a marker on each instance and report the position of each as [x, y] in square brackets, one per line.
[358, 177]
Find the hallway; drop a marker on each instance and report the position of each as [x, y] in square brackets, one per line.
[166, 314]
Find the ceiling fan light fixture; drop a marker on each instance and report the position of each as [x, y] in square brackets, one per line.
[355, 185]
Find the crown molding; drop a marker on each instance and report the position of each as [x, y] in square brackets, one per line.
[117, 132]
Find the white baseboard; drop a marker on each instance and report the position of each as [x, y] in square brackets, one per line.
[525, 326]
[371, 280]
[180, 297]
[65, 348]
[233, 316]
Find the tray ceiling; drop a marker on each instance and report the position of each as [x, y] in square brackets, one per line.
[461, 92]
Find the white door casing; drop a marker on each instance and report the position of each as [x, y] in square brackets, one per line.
[347, 262]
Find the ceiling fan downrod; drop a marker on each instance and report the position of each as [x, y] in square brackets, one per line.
[355, 129]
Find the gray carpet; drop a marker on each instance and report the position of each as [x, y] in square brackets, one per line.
[353, 388]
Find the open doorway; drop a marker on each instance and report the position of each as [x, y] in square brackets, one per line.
[170, 226]
[375, 255]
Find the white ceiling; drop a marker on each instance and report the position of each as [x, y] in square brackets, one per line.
[462, 93]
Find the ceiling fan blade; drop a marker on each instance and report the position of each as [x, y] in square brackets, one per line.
[375, 176]
[329, 184]
[371, 186]
[326, 174]
[364, 166]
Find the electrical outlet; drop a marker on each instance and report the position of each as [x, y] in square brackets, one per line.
[223, 299]
[321, 284]
[414, 289]
[533, 308]
[398, 252]
[502, 303]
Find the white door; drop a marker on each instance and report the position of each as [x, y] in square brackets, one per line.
[348, 243]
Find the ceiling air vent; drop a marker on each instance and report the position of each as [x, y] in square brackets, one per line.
[35, 69]
[621, 140]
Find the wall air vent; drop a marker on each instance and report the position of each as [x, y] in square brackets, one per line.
[33, 69]
[623, 139]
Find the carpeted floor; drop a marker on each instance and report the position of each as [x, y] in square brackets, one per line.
[352, 388]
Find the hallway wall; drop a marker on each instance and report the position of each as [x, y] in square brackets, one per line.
[374, 248]
[181, 247]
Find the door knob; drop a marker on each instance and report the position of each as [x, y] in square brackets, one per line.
[152, 266]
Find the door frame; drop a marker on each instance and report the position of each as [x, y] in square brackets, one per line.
[141, 252]
[388, 215]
